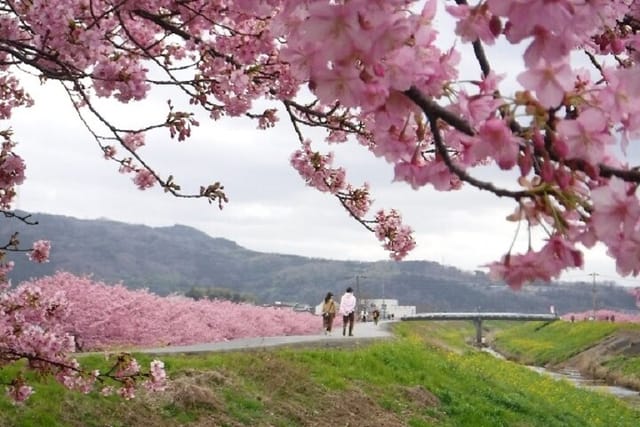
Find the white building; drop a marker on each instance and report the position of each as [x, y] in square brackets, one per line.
[389, 308]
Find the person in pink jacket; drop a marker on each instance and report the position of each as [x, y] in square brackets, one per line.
[347, 309]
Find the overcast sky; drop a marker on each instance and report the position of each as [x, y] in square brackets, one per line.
[270, 208]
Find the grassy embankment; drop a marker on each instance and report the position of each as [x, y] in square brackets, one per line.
[605, 350]
[427, 376]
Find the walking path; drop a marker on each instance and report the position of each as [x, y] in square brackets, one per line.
[361, 331]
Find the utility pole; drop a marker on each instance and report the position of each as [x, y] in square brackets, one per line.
[358, 295]
[383, 283]
[383, 307]
[593, 295]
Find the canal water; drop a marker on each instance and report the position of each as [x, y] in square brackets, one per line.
[576, 378]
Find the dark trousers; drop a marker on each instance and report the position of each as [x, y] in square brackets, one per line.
[327, 321]
[348, 319]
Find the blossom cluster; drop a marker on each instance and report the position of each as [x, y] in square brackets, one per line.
[559, 131]
[100, 316]
[373, 72]
[33, 327]
[380, 71]
[49, 319]
[562, 130]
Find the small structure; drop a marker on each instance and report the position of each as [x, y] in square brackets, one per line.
[389, 308]
[295, 306]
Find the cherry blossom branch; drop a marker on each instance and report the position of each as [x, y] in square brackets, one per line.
[183, 34]
[21, 50]
[435, 111]
[17, 355]
[464, 176]
[13, 244]
[124, 371]
[173, 80]
[323, 119]
[478, 50]
[23, 218]
[630, 175]
[342, 197]
[212, 192]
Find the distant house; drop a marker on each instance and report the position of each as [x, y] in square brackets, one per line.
[295, 306]
[388, 308]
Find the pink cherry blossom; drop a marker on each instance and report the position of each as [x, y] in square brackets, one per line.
[341, 83]
[133, 141]
[314, 167]
[40, 251]
[496, 139]
[395, 235]
[12, 171]
[615, 210]
[517, 270]
[98, 316]
[157, 376]
[549, 81]
[144, 179]
[18, 392]
[372, 72]
[473, 23]
[586, 137]
[626, 252]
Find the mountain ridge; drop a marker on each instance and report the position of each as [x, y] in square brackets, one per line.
[176, 258]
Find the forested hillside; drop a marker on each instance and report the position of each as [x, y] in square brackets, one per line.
[179, 258]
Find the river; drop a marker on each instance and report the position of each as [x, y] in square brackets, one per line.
[576, 378]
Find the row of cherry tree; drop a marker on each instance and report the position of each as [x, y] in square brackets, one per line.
[34, 325]
[379, 75]
[47, 319]
[102, 316]
[606, 315]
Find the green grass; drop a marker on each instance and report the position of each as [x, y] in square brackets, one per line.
[408, 381]
[627, 366]
[539, 343]
[450, 334]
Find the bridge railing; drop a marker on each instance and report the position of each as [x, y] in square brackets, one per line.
[478, 317]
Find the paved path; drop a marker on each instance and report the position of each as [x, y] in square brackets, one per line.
[361, 331]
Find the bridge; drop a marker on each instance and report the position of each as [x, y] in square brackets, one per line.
[478, 317]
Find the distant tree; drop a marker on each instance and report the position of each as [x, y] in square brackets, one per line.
[211, 293]
[195, 293]
[374, 71]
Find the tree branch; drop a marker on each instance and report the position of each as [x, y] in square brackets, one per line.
[463, 175]
[433, 110]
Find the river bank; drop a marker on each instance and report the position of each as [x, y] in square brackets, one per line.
[575, 377]
[603, 357]
[423, 375]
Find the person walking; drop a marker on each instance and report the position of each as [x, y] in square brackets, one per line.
[376, 315]
[347, 310]
[328, 313]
